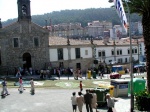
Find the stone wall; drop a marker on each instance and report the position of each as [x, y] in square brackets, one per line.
[25, 31]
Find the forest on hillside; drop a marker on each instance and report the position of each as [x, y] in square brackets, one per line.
[82, 16]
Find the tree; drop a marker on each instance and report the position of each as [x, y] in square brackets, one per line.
[142, 7]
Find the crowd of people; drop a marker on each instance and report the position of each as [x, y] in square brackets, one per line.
[90, 101]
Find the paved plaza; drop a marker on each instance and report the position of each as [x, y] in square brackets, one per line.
[48, 100]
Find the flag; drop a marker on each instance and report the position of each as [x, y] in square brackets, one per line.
[120, 10]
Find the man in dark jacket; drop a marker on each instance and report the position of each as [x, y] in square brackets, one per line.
[88, 101]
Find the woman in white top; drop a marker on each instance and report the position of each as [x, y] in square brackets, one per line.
[80, 101]
[110, 103]
[94, 100]
[74, 102]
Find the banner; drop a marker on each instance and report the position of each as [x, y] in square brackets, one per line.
[120, 10]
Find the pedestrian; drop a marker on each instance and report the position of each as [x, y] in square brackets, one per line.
[81, 87]
[32, 86]
[80, 101]
[110, 103]
[94, 100]
[18, 74]
[21, 85]
[4, 89]
[30, 70]
[58, 73]
[88, 101]
[74, 101]
[41, 74]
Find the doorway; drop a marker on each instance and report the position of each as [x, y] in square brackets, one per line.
[78, 65]
[26, 61]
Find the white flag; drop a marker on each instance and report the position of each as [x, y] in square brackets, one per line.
[120, 10]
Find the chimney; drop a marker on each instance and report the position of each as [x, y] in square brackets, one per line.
[50, 24]
[46, 24]
[0, 23]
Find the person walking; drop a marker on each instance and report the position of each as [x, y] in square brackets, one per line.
[4, 89]
[74, 101]
[94, 100]
[21, 88]
[110, 103]
[32, 86]
[81, 87]
[88, 101]
[18, 74]
[80, 101]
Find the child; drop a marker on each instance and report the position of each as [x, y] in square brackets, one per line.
[32, 85]
[81, 88]
[74, 102]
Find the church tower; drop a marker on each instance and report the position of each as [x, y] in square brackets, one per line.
[24, 12]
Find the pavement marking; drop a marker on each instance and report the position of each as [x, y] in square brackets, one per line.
[101, 82]
[39, 104]
[68, 84]
[27, 83]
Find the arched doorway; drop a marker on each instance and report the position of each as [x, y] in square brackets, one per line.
[26, 60]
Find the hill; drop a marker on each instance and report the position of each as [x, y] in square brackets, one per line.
[82, 16]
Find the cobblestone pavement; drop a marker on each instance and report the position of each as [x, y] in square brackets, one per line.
[48, 100]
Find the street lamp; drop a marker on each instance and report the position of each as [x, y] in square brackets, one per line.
[131, 70]
[138, 51]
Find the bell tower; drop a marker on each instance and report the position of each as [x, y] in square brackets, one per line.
[24, 12]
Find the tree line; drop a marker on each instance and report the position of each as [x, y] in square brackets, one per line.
[82, 16]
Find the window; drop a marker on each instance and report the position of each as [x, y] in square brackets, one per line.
[86, 52]
[103, 53]
[135, 51]
[99, 54]
[117, 52]
[77, 51]
[60, 54]
[112, 52]
[36, 42]
[126, 60]
[128, 51]
[120, 52]
[16, 42]
[120, 60]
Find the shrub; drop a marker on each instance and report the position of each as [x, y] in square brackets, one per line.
[142, 101]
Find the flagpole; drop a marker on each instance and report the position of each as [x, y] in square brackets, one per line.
[129, 34]
[131, 64]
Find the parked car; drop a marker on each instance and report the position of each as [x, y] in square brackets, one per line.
[118, 68]
[115, 75]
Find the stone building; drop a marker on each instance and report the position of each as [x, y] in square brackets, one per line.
[24, 43]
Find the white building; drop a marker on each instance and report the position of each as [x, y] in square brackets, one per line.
[82, 53]
[97, 28]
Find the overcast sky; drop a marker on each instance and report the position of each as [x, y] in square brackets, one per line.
[8, 8]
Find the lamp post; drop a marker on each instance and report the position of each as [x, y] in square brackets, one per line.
[131, 70]
[138, 51]
[114, 43]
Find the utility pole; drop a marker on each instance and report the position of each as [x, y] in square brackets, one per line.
[131, 68]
